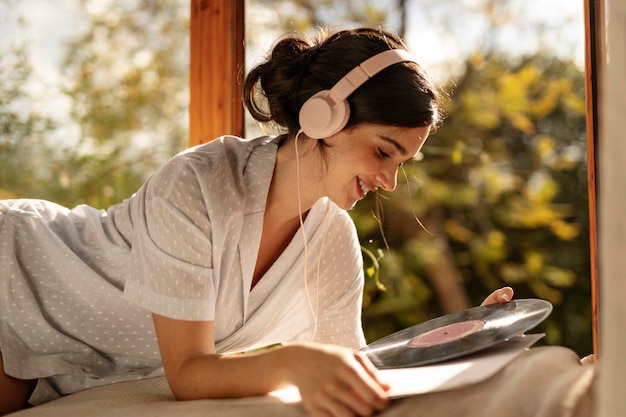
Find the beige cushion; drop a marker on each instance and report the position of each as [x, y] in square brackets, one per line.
[541, 382]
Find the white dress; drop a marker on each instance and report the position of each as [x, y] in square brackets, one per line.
[77, 287]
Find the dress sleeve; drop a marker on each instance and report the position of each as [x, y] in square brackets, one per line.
[170, 270]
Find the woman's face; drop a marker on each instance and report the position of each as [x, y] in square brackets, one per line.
[366, 157]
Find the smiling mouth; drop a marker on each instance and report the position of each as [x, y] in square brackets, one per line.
[363, 187]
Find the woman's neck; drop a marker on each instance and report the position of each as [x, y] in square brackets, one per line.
[295, 186]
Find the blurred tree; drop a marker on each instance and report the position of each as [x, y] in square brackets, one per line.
[126, 76]
[24, 152]
[502, 195]
[128, 80]
[501, 190]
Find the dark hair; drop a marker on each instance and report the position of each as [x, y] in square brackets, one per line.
[297, 68]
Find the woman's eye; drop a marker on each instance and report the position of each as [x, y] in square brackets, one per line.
[383, 153]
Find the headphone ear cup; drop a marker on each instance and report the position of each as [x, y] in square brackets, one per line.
[318, 117]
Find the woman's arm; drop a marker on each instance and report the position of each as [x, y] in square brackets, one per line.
[332, 381]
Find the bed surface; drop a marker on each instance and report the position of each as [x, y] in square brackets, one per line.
[541, 382]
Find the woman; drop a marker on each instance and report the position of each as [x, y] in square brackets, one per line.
[230, 246]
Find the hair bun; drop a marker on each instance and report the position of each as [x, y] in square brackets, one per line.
[300, 67]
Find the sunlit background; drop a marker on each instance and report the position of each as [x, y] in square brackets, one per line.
[94, 96]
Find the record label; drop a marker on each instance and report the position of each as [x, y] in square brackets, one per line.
[446, 333]
[457, 334]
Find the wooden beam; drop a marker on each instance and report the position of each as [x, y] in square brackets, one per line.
[216, 69]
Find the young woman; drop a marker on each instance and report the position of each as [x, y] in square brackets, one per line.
[230, 246]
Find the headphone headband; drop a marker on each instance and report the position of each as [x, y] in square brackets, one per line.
[328, 111]
[366, 70]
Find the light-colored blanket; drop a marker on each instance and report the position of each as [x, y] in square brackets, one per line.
[541, 382]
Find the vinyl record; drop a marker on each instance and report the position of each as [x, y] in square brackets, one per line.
[457, 334]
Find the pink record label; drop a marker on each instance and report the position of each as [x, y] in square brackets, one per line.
[446, 334]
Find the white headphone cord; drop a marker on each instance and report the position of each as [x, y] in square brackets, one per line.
[314, 309]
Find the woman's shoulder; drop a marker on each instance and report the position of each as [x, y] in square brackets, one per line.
[227, 145]
[338, 220]
[225, 154]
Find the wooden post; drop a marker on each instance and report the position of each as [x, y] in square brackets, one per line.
[595, 50]
[216, 69]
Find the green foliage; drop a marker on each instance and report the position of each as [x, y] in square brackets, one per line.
[23, 149]
[503, 193]
[127, 80]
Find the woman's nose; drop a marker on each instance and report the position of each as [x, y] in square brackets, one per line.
[387, 178]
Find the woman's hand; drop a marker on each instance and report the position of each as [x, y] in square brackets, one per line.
[501, 295]
[335, 381]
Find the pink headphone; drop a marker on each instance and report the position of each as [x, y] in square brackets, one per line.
[328, 111]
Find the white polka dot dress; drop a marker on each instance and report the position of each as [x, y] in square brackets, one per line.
[77, 287]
